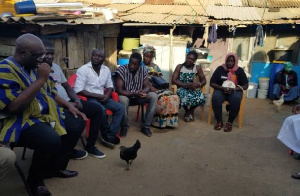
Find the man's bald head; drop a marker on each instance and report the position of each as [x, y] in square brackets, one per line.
[29, 50]
[27, 41]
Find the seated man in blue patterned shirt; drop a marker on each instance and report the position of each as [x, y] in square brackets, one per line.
[32, 118]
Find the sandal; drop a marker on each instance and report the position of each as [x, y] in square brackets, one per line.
[218, 126]
[228, 127]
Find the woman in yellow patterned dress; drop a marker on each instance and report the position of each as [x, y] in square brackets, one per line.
[168, 103]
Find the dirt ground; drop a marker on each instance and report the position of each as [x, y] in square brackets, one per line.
[191, 159]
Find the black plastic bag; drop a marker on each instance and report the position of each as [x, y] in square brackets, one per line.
[159, 82]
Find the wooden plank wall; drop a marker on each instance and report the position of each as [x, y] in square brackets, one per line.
[110, 34]
[111, 52]
[77, 46]
[7, 46]
[60, 52]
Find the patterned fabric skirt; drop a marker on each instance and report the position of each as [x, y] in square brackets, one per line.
[167, 110]
[191, 97]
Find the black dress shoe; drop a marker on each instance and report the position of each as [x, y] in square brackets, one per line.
[296, 176]
[37, 188]
[65, 174]
[42, 191]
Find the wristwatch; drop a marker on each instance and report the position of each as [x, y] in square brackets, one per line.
[134, 94]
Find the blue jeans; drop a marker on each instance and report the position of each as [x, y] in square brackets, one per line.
[292, 94]
[151, 99]
[110, 131]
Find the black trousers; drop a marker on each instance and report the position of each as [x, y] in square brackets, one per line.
[96, 114]
[51, 151]
[234, 100]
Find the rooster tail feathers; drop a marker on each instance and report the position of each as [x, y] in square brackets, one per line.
[137, 144]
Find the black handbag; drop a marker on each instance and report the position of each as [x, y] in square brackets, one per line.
[159, 82]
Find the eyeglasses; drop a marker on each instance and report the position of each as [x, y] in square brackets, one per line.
[39, 56]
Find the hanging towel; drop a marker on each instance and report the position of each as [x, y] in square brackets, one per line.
[212, 37]
[259, 36]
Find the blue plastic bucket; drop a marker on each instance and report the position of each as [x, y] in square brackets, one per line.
[25, 7]
[123, 61]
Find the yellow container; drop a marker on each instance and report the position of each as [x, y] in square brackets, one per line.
[8, 6]
[130, 43]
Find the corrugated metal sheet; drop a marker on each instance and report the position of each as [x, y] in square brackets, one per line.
[155, 9]
[182, 12]
[161, 9]
[236, 3]
[105, 2]
[235, 13]
[128, 1]
[123, 7]
[163, 19]
[251, 13]
[54, 20]
[285, 13]
[244, 3]
[275, 3]
[189, 10]
[170, 9]
[212, 2]
[159, 2]
[171, 19]
[100, 2]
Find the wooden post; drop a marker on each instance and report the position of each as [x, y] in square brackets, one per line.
[171, 55]
[205, 36]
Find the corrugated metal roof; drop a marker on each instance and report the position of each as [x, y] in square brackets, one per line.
[105, 2]
[285, 13]
[123, 7]
[54, 20]
[235, 13]
[211, 2]
[169, 9]
[195, 12]
[188, 10]
[155, 9]
[163, 19]
[275, 3]
[236, 3]
[244, 3]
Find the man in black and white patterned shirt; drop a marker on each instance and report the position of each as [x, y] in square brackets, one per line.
[133, 87]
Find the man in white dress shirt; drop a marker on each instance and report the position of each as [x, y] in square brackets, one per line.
[94, 82]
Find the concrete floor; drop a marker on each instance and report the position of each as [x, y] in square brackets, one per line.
[191, 159]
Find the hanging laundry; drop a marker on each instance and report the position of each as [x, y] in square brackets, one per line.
[259, 36]
[212, 37]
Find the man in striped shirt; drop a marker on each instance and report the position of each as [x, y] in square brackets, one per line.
[32, 118]
[133, 87]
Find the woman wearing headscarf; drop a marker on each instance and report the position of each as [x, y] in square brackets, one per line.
[229, 81]
[189, 78]
[168, 103]
[286, 82]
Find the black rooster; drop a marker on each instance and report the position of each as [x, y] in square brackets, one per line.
[128, 154]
